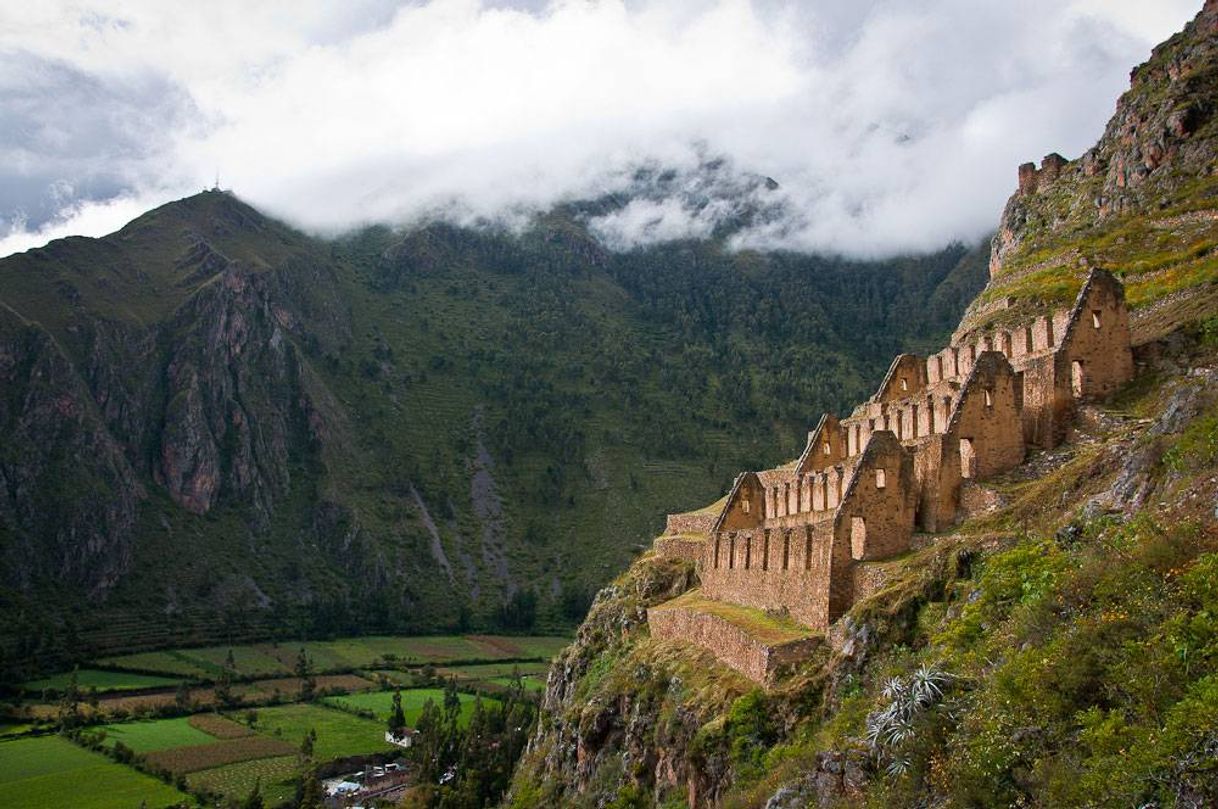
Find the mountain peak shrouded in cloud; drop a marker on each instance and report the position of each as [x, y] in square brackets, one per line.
[889, 126]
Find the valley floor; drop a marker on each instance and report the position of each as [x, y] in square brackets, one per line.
[201, 726]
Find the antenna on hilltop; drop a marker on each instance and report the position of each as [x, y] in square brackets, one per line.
[216, 187]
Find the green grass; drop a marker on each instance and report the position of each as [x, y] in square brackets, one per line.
[762, 627]
[338, 734]
[274, 776]
[413, 700]
[101, 680]
[158, 734]
[49, 771]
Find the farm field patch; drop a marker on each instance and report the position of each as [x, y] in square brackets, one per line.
[279, 659]
[218, 753]
[173, 663]
[219, 727]
[50, 771]
[102, 681]
[157, 734]
[274, 777]
[338, 734]
[413, 700]
[530, 682]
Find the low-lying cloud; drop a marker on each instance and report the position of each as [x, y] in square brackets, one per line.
[890, 126]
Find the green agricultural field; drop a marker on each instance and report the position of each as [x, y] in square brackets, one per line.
[171, 663]
[251, 661]
[338, 734]
[437, 649]
[50, 771]
[529, 681]
[486, 671]
[275, 778]
[413, 700]
[157, 734]
[269, 659]
[101, 680]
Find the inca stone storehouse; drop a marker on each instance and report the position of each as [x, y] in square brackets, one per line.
[795, 541]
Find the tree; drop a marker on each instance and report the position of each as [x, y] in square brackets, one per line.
[311, 796]
[230, 662]
[69, 703]
[307, 745]
[304, 670]
[254, 799]
[182, 698]
[397, 717]
[224, 689]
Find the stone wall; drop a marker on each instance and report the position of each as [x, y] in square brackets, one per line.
[680, 547]
[986, 426]
[728, 642]
[877, 511]
[1096, 342]
[694, 522]
[767, 568]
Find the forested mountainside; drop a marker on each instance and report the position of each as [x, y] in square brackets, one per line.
[213, 427]
[1056, 648]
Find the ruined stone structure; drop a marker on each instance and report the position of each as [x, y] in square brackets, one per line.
[792, 540]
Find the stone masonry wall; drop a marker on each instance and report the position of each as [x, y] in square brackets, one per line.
[764, 568]
[691, 523]
[680, 547]
[729, 643]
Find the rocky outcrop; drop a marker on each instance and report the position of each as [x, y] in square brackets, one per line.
[1160, 138]
[233, 399]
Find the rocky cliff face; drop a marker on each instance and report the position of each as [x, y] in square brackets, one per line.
[63, 477]
[1142, 203]
[1157, 144]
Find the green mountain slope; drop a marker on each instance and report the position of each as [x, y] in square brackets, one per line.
[214, 427]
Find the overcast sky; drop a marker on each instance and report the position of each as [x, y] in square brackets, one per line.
[891, 126]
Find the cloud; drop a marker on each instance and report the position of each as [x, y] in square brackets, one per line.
[890, 126]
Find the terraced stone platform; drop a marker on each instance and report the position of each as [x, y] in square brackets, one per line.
[758, 645]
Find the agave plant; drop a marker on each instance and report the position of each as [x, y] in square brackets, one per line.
[890, 727]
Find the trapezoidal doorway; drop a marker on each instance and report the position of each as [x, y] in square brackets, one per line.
[1078, 379]
[968, 458]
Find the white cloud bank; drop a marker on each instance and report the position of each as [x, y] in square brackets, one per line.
[891, 125]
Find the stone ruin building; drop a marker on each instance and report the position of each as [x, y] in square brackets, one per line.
[796, 541]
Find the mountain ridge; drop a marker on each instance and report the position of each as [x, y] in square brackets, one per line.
[278, 416]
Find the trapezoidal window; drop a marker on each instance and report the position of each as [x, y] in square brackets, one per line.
[745, 505]
[1095, 318]
[989, 398]
[828, 449]
[904, 383]
[880, 479]
[1078, 378]
[968, 458]
[858, 537]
